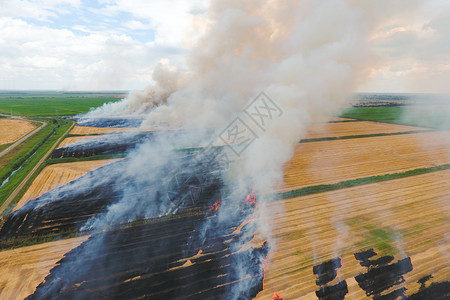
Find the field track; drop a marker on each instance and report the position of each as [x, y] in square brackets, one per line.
[340, 223]
[12, 129]
[56, 175]
[330, 162]
[24, 268]
[318, 130]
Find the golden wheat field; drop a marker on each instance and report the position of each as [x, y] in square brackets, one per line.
[13, 129]
[24, 268]
[86, 130]
[75, 139]
[402, 217]
[56, 175]
[318, 130]
[329, 162]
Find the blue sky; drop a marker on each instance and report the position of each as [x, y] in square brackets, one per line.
[88, 18]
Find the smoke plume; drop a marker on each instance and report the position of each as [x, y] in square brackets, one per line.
[307, 56]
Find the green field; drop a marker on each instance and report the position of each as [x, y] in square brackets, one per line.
[53, 103]
[422, 116]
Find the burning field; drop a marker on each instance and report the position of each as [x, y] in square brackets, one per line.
[54, 176]
[157, 257]
[233, 183]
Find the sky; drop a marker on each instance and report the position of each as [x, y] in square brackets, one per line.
[116, 44]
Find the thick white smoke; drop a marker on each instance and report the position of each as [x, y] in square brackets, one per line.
[306, 55]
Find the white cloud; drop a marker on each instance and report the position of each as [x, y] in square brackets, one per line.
[54, 44]
[101, 55]
[413, 51]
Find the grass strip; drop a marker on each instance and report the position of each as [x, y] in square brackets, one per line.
[22, 241]
[315, 189]
[53, 161]
[345, 121]
[358, 136]
[31, 153]
[14, 159]
[4, 146]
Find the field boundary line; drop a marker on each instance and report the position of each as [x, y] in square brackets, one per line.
[359, 136]
[316, 189]
[31, 173]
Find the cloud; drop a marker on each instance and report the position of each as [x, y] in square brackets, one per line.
[69, 45]
[116, 44]
[413, 50]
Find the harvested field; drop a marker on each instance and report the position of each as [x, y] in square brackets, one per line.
[13, 129]
[24, 268]
[75, 139]
[318, 130]
[85, 130]
[409, 214]
[54, 176]
[330, 162]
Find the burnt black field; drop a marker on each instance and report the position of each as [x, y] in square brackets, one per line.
[151, 261]
[66, 209]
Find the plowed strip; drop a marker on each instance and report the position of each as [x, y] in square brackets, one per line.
[413, 210]
[12, 129]
[24, 268]
[330, 162]
[54, 176]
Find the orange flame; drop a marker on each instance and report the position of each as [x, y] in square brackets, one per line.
[251, 199]
[216, 205]
[277, 296]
